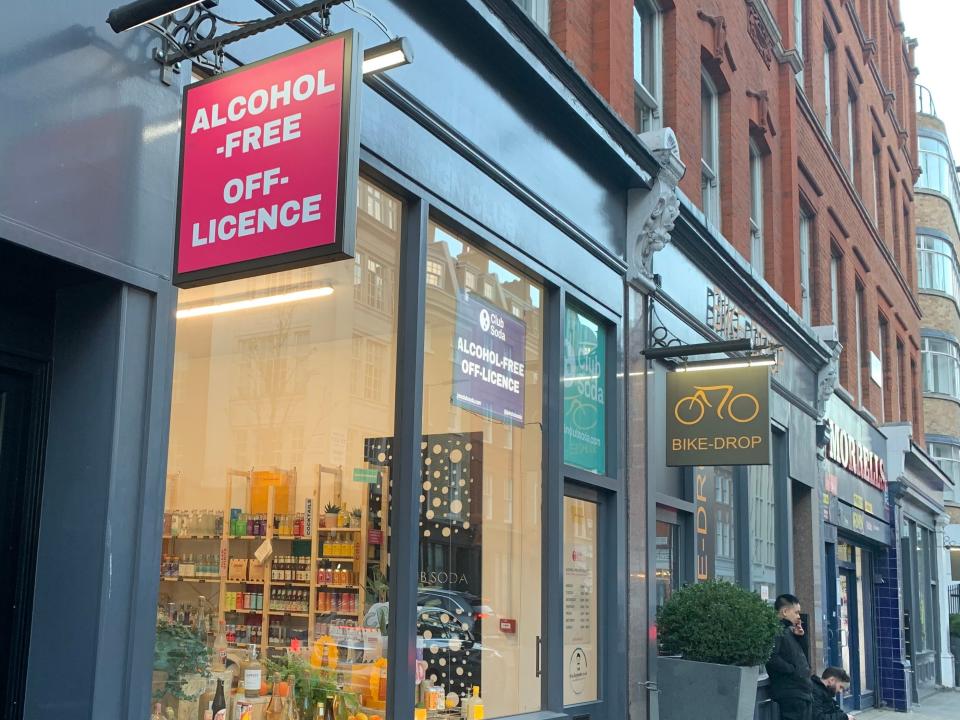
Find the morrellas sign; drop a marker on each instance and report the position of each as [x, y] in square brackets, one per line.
[849, 453]
[268, 165]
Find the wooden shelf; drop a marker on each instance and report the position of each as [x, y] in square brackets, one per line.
[191, 579]
[291, 537]
[285, 613]
[337, 587]
[192, 537]
[336, 530]
[338, 614]
[284, 583]
[244, 582]
[243, 611]
[336, 558]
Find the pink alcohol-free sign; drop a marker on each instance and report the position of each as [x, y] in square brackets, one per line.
[268, 165]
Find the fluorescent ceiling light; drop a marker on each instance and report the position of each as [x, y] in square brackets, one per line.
[252, 303]
[387, 56]
[727, 365]
[141, 12]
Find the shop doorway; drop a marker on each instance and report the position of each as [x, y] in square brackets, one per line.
[20, 406]
[855, 644]
[587, 572]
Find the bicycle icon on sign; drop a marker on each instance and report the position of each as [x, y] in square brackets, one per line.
[690, 410]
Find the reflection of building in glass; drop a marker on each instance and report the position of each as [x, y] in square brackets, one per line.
[726, 553]
[763, 556]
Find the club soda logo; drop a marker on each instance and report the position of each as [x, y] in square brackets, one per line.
[492, 324]
[442, 577]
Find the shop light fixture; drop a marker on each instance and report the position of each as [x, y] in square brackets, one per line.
[707, 348]
[391, 54]
[140, 12]
[253, 303]
[728, 364]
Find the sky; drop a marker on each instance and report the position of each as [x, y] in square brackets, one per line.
[935, 23]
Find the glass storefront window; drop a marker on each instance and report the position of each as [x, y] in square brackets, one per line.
[763, 531]
[584, 402]
[277, 507]
[480, 527]
[580, 626]
[715, 524]
[941, 366]
[667, 560]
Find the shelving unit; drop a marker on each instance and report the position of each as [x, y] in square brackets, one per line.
[245, 546]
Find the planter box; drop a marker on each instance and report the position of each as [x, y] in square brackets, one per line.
[691, 690]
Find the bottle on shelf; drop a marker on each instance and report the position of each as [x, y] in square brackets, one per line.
[157, 715]
[274, 709]
[219, 706]
[252, 673]
[220, 646]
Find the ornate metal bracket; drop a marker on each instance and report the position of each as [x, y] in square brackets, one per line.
[191, 34]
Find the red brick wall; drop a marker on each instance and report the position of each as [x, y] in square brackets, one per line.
[597, 36]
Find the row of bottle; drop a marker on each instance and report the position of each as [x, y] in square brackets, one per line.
[242, 523]
[338, 546]
[199, 565]
[288, 568]
[327, 574]
[236, 601]
[290, 600]
[337, 602]
[192, 522]
[243, 634]
[184, 613]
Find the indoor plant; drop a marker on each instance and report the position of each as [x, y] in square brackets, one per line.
[181, 665]
[331, 512]
[719, 635]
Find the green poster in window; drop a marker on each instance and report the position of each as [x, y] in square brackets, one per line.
[584, 392]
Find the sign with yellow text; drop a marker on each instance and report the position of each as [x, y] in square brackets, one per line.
[718, 417]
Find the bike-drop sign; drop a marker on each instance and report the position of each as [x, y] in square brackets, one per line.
[718, 417]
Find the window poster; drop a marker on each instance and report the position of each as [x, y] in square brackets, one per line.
[584, 378]
[488, 360]
[579, 601]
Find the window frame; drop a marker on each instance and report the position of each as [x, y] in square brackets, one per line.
[946, 354]
[710, 149]
[799, 22]
[648, 91]
[829, 47]
[805, 233]
[756, 208]
[538, 11]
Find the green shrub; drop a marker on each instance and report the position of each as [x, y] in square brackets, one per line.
[955, 625]
[718, 622]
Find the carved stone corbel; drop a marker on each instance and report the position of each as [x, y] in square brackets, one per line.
[719, 25]
[651, 213]
[827, 380]
[763, 110]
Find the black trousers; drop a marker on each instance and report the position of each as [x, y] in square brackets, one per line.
[795, 709]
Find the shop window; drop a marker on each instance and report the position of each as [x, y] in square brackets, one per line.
[268, 443]
[756, 208]
[715, 512]
[941, 366]
[667, 560]
[710, 148]
[481, 487]
[762, 517]
[581, 627]
[647, 71]
[948, 458]
[937, 267]
[584, 392]
[538, 10]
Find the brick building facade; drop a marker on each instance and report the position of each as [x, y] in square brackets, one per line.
[846, 166]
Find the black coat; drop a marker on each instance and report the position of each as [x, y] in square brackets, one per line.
[825, 705]
[788, 667]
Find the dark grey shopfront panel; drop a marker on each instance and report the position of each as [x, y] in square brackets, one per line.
[89, 138]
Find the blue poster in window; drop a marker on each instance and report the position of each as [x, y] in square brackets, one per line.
[488, 360]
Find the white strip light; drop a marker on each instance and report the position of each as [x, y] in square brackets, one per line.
[387, 56]
[721, 365]
[260, 302]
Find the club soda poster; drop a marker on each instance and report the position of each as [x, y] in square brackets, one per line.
[488, 360]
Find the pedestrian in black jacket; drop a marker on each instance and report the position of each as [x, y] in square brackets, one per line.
[788, 667]
[825, 706]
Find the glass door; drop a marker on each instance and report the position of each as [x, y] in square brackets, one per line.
[584, 560]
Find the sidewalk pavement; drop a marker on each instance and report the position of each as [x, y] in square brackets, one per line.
[945, 705]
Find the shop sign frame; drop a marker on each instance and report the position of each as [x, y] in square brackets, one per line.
[342, 245]
[718, 417]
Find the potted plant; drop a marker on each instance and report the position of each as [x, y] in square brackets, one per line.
[382, 617]
[181, 666]
[357, 517]
[330, 514]
[718, 635]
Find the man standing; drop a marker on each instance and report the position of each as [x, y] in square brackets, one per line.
[788, 667]
[825, 706]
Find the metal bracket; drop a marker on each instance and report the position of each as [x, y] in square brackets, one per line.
[191, 34]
